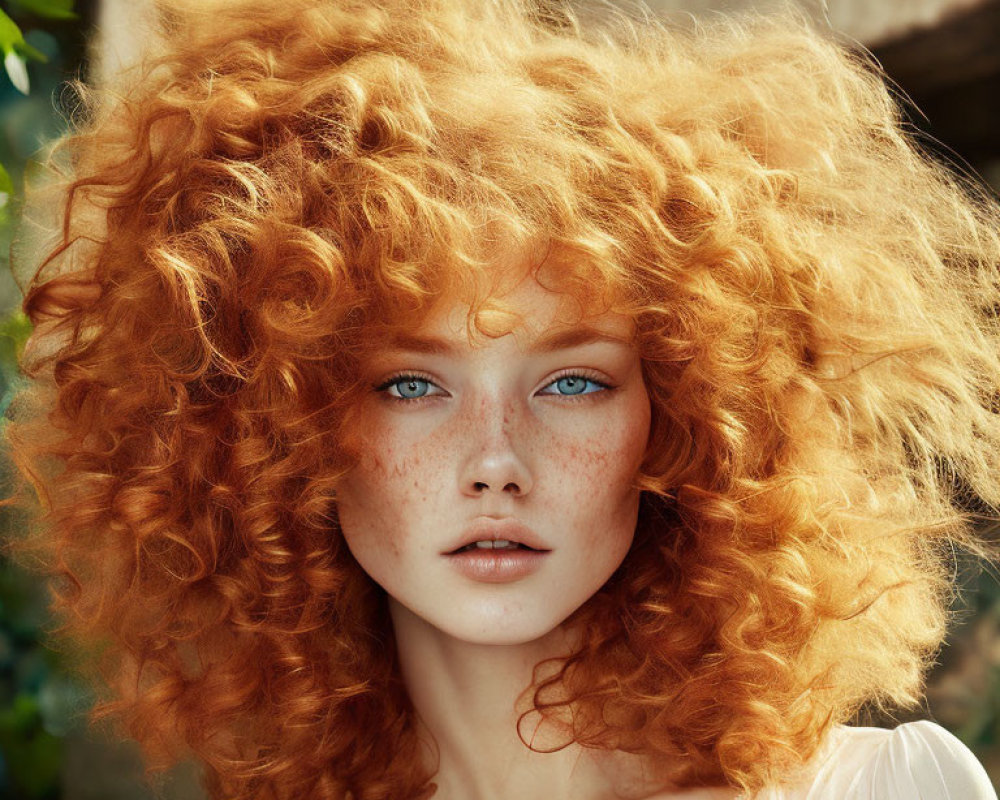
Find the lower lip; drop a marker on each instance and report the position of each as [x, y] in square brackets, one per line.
[498, 566]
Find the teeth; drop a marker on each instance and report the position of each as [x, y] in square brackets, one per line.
[494, 544]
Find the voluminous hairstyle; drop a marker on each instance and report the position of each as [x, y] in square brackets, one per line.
[815, 301]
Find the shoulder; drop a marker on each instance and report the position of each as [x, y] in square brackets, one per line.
[915, 761]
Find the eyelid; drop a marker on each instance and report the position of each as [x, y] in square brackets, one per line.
[590, 375]
[399, 377]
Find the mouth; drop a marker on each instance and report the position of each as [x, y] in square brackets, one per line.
[494, 544]
[497, 535]
[496, 560]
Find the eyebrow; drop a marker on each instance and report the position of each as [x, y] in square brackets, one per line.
[555, 340]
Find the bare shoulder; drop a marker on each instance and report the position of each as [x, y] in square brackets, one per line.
[635, 777]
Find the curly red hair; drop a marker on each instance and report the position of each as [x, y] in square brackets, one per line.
[816, 306]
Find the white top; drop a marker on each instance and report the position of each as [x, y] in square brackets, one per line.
[915, 761]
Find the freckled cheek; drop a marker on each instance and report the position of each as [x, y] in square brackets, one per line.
[377, 493]
[594, 480]
[602, 458]
[401, 480]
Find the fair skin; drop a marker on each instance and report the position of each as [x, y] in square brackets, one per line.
[542, 428]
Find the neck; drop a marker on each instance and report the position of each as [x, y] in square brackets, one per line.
[468, 698]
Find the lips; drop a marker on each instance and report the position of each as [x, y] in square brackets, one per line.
[488, 529]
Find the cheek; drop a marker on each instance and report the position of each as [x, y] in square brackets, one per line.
[598, 469]
[609, 452]
[389, 488]
[369, 499]
[608, 460]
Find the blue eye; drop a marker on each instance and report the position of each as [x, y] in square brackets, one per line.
[410, 388]
[415, 387]
[569, 385]
[407, 387]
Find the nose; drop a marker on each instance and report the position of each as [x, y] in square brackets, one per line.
[495, 460]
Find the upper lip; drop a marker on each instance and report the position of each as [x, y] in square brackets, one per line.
[488, 528]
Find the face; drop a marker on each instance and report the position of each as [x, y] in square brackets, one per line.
[533, 437]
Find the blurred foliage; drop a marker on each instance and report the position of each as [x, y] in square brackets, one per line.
[40, 703]
[16, 52]
[964, 690]
[48, 9]
[6, 190]
[41, 43]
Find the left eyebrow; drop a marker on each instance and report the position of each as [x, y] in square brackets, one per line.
[549, 342]
[574, 337]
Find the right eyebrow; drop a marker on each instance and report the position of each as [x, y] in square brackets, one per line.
[422, 344]
[563, 339]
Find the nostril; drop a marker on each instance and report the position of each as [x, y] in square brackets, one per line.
[481, 486]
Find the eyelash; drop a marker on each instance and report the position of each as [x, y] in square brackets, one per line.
[416, 376]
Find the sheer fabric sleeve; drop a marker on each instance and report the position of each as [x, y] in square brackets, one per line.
[916, 761]
[923, 760]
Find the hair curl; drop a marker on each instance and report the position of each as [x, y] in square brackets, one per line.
[815, 300]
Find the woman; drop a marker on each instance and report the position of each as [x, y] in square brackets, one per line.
[456, 399]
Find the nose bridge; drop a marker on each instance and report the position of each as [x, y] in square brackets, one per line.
[496, 436]
[494, 413]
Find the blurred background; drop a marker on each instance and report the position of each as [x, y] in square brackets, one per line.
[944, 55]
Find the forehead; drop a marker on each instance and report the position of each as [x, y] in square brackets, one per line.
[534, 315]
[520, 290]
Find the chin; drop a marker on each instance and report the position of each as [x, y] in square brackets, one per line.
[500, 627]
[509, 635]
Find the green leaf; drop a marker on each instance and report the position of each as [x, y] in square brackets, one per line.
[12, 40]
[17, 70]
[6, 186]
[32, 52]
[22, 716]
[50, 9]
[33, 761]
[10, 34]
[16, 326]
[6, 190]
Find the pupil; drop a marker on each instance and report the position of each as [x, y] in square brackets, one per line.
[572, 385]
[414, 388]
